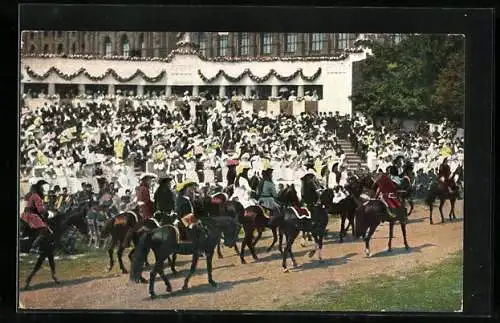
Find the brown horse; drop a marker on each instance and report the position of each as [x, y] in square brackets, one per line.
[441, 190]
[124, 228]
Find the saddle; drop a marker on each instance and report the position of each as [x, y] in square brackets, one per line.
[266, 212]
[301, 212]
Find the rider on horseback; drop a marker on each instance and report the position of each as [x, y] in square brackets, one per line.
[267, 191]
[143, 197]
[386, 190]
[36, 212]
[242, 192]
[444, 175]
[186, 219]
[164, 200]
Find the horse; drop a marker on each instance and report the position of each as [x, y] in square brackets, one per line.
[368, 217]
[164, 242]
[405, 191]
[126, 222]
[48, 244]
[440, 189]
[220, 205]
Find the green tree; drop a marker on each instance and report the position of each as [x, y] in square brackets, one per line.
[401, 80]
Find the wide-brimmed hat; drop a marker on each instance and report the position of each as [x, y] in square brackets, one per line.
[181, 186]
[147, 175]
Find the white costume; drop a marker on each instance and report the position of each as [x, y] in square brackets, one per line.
[371, 160]
[338, 196]
[242, 193]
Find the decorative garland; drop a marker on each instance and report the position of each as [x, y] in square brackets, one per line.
[109, 71]
[258, 79]
[192, 51]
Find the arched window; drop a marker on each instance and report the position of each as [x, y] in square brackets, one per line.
[125, 46]
[32, 49]
[46, 49]
[60, 48]
[73, 48]
[107, 46]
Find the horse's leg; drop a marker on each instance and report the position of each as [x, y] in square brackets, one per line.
[52, 264]
[342, 224]
[164, 276]
[209, 269]
[403, 229]
[172, 264]
[37, 267]
[391, 232]
[236, 248]
[219, 252]
[280, 242]
[120, 260]
[441, 203]
[367, 238]
[275, 239]
[259, 234]
[131, 254]
[194, 263]
[110, 254]
[412, 206]
[285, 254]
[152, 277]
[320, 247]
[452, 201]
[247, 240]
[431, 203]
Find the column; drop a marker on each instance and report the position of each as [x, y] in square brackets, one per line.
[195, 91]
[300, 90]
[168, 90]
[21, 89]
[52, 89]
[140, 89]
[111, 89]
[81, 89]
[274, 91]
[248, 91]
[222, 91]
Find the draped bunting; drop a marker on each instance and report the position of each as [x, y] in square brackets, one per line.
[258, 79]
[109, 71]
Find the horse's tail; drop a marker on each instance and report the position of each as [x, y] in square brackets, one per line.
[106, 229]
[140, 254]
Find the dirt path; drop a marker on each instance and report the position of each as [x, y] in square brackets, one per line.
[262, 286]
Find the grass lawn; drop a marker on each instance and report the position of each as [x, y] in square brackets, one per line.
[436, 288]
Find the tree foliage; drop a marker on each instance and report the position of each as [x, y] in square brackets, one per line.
[421, 78]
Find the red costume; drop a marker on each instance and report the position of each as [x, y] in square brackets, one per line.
[144, 197]
[387, 189]
[33, 211]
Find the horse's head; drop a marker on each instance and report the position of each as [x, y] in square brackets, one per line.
[289, 195]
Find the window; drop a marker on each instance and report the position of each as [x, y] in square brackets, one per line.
[141, 41]
[267, 42]
[317, 42]
[60, 48]
[125, 46]
[244, 44]
[83, 48]
[342, 41]
[46, 49]
[107, 46]
[202, 42]
[291, 43]
[73, 48]
[222, 46]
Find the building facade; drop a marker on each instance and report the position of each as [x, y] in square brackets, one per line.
[211, 44]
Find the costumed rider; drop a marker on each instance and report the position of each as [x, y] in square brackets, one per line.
[36, 213]
[267, 191]
[164, 200]
[186, 219]
[309, 188]
[386, 191]
[444, 175]
[394, 175]
[243, 191]
[143, 197]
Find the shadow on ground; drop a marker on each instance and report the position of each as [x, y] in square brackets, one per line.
[402, 250]
[65, 283]
[205, 288]
[315, 263]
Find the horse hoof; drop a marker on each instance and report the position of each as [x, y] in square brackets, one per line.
[243, 262]
[169, 289]
[184, 288]
[174, 272]
[389, 249]
[321, 260]
[27, 287]
[257, 260]
[152, 295]
[56, 280]
[407, 247]
[285, 270]
[213, 284]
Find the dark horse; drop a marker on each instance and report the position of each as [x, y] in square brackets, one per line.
[164, 241]
[124, 228]
[405, 191]
[368, 217]
[440, 190]
[48, 244]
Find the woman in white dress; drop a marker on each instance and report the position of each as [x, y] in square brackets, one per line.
[242, 188]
